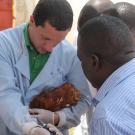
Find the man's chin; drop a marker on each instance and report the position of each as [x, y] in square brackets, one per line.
[44, 52]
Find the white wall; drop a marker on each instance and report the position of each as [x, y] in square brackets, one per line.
[76, 6]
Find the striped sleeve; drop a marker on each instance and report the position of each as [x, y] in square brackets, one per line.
[105, 127]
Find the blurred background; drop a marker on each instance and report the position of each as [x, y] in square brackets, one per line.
[15, 12]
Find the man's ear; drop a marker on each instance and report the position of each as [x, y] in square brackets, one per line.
[32, 21]
[95, 61]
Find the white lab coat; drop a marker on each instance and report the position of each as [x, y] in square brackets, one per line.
[16, 91]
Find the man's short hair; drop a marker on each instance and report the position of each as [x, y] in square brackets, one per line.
[91, 9]
[106, 36]
[87, 12]
[100, 5]
[125, 11]
[57, 12]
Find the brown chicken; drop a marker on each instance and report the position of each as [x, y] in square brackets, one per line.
[56, 99]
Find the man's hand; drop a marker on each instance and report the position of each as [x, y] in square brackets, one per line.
[53, 128]
[45, 116]
[39, 131]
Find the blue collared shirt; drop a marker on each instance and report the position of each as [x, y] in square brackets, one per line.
[115, 103]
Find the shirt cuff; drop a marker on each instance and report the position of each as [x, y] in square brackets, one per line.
[28, 126]
[62, 117]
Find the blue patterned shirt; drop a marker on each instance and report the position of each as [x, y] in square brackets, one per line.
[115, 103]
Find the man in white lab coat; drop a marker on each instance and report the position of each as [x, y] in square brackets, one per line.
[36, 56]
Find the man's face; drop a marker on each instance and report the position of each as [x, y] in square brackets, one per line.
[88, 67]
[45, 38]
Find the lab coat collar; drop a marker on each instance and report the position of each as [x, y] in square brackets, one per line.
[23, 65]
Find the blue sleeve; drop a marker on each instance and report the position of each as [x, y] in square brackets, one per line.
[108, 127]
[13, 113]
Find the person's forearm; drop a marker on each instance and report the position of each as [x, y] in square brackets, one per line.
[14, 115]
